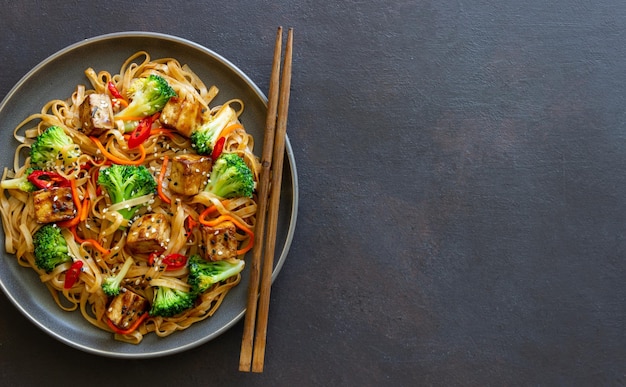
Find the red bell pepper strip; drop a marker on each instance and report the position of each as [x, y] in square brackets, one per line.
[141, 132]
[127, 331]
[113, 90]
[172, 261]
[218, 148]
[47, 179]
[72, 274]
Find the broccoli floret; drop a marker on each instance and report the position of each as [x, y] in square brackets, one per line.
[230, 177]
[50, 248]
[125, 182]
[147, 96]
[51, 146]
[203, 273]
[111, 284]
[204, 137]
[22, 183]
[168, 302]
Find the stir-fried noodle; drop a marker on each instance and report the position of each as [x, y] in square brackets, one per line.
[97, 233]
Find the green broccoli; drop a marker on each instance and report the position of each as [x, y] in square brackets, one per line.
[230, 177]
[168, 302]
[203, 274]
[51, 146]
[204, 137]
[125, 182]
[50, 247]
[22, 183]
[147, 96]
[111, 284]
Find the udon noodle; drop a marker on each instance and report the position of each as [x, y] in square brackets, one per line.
[98, 237]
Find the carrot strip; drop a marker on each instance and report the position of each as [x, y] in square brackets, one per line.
[121, 101]
[93, 242]
[74, 221]
[230, 128]
[160, 181]
[247, 248]
[85, 209]
[209, 210]
[76, 237]
[129, 118]
[118, 160]
[222, 218]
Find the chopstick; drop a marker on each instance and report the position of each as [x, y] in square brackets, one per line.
[255, 325]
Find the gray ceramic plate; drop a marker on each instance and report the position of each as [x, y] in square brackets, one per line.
[57, 77]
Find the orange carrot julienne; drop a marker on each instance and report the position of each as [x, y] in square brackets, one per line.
[223, 218]
[119, 160]
[76, 237]
[160, 181]
[129, 118]
[84, 209]
[247, 247]
[230, 128]
[209, 210]
[74, 221]
[93, 242]
[121, 101]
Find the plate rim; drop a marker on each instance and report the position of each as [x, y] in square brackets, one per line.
[289, 154]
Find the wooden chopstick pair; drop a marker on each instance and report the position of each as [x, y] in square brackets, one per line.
[252, 356]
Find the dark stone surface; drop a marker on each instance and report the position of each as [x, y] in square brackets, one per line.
[462, 205]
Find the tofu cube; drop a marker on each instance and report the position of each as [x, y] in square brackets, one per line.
[219, 241]
[148, 234]
[126, 308]
[189, 174]
[96, 114]
[181, 115]
[53, 205]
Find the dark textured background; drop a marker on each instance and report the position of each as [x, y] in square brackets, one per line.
[462, 205]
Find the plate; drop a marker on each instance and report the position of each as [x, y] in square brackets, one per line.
[56, 78]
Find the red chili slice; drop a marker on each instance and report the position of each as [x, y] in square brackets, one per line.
[141, 132]
[172, 261]
[218, 148]
[47, 179]
[175, 261]
[113, 90]
[135, 325]
[71, 276]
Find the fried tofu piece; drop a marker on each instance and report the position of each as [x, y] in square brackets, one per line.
[96, 114]
[148, 234]
[53, 205]
[189, 173]
[126, 308]
[220, 241]
[181, 115]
